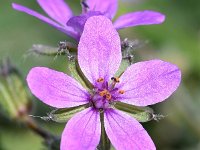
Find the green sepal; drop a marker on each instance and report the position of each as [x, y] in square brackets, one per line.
[142, 114]
[124, 64]
[64, 114]
[77, 74]
[44, 50]
[41, 49]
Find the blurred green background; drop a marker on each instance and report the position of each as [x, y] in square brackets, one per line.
[177, 41]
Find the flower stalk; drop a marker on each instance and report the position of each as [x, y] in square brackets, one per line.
[104, 142]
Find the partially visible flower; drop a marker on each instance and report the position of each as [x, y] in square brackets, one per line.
[61, 16]
[99, 56]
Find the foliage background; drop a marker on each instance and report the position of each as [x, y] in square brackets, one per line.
[176, 41]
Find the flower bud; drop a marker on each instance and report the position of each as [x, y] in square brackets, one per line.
[14, 99]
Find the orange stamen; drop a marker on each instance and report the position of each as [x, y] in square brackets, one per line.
[103, 93]
[108, 96]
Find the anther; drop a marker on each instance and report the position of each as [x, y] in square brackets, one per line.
[121, 91]
[108, 96]
[115, 79]
[103, 93]
[100, 80]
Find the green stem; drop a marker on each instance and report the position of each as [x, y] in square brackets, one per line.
[36, 129]
[104, 142]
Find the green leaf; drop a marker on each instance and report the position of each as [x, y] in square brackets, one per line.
[142, 114]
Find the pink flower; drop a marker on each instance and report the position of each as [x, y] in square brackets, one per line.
[61, 16]
[99, 56]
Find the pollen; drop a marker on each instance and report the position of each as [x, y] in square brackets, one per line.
[121, 91]
[100, 80]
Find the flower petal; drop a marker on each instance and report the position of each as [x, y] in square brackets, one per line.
[56, 88]
[149, 82]
[99, 49]
[64, 29]
[146, 17]
[57, 10]
[107, 7]
[78, 22]
[126, 133]
[82, 132]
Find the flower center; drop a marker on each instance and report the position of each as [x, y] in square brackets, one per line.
[105, 94]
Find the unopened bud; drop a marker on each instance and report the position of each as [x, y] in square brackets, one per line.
[14, 99]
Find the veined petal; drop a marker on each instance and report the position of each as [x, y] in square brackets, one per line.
[78, 22]
[149, 82]
[146, 17]
[65, 29]
[82, 132]
[57, 10]
[99, 49]
[126, 133]
[107, 7]
[56, 88]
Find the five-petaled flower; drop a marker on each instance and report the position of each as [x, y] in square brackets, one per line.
[99, 56]
[62, 17]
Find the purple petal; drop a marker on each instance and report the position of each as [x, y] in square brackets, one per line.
[146, 17]
[108, 7]
[57, 10]
[149, 82]
[99, 49]
[126, 133]
[65, 29]
[78, 22]
[56, 88]
[82, 132]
